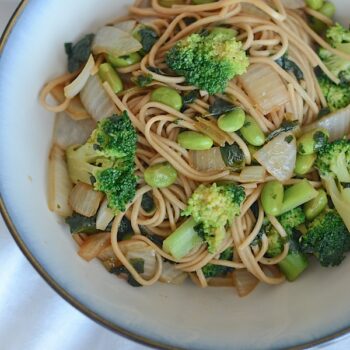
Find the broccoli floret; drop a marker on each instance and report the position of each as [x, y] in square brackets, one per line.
[337, 96]
[291, 219]
[208, 60]
[107, 160]
[327, 238]
[338, 34]
[212, 208]
[339, 66]
[275, 240]
[333, 164]
[211, 270]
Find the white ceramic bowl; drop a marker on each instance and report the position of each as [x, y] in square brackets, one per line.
[314, 309]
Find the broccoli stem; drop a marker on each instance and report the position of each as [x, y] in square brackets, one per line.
[182, 240]
[297, 195]
[293, 265]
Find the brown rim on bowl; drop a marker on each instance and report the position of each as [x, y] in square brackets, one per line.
[69, 298]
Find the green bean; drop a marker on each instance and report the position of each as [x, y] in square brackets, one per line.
[124, 61]
[200, 2]
[314, 4]
[272, 197]
[107, 73]
[160, 175]
[169, 3]
[226, 31]
[297, 194]
[167, 96]
[312, 141]
[304, 164]
[316, 205]
[232, 121]
[252, 132]
[194, 141]
[328, 9]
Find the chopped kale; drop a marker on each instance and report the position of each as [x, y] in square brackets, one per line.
[79, 52]
[290, 66]
[220, 107]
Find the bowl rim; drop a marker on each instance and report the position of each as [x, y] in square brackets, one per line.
[326, 340]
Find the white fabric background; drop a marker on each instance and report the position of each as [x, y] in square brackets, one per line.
[32, 315]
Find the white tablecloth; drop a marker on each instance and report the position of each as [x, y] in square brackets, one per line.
[32, 315]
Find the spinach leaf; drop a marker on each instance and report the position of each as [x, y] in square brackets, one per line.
[79, 52]
[285, 126]
[139, 266]
[188, 98]
[290, 66]
[233, 156]
[143, 80]
[148, 38]
[220, 107]
[81, 224]
[125, 230]
[323, 112]
[147, 203]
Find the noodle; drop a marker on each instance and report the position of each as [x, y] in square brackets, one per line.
[266, 37]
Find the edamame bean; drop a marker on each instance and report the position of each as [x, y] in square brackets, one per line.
[169, 3]
[328, 9]
[200, 2]
[312, 141]
[316, 205]
[304, 164]
[232, 121]
[297, 194]
[167, 96]
[314, 4]
[194, 141]
[160, 175]
[252, 132]
[272, 197]
[226, 31]
[124, 61]
[107, 73]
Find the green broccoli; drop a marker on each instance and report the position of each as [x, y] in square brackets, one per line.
[333, 164]
[327, 238]
[296, 261]
[337, 34]
[339, 66]
[292, 219]
[211, 208]
[211, 270]
[337, 96]
[107, 160]
[208, 60]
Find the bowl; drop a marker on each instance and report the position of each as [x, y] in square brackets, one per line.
[313, 310]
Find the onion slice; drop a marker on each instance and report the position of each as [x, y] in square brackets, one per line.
[337, 124]
[172, 275]
[60, 184]
[265, 87]
[126, 26]
[104, 216]
[254, 173]
[244, 281]
[79, 82]
[94, 245]
[96, 100]
[67, 132]
[114, 41]
[207, 160]
[278, 156]
[84, 200]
